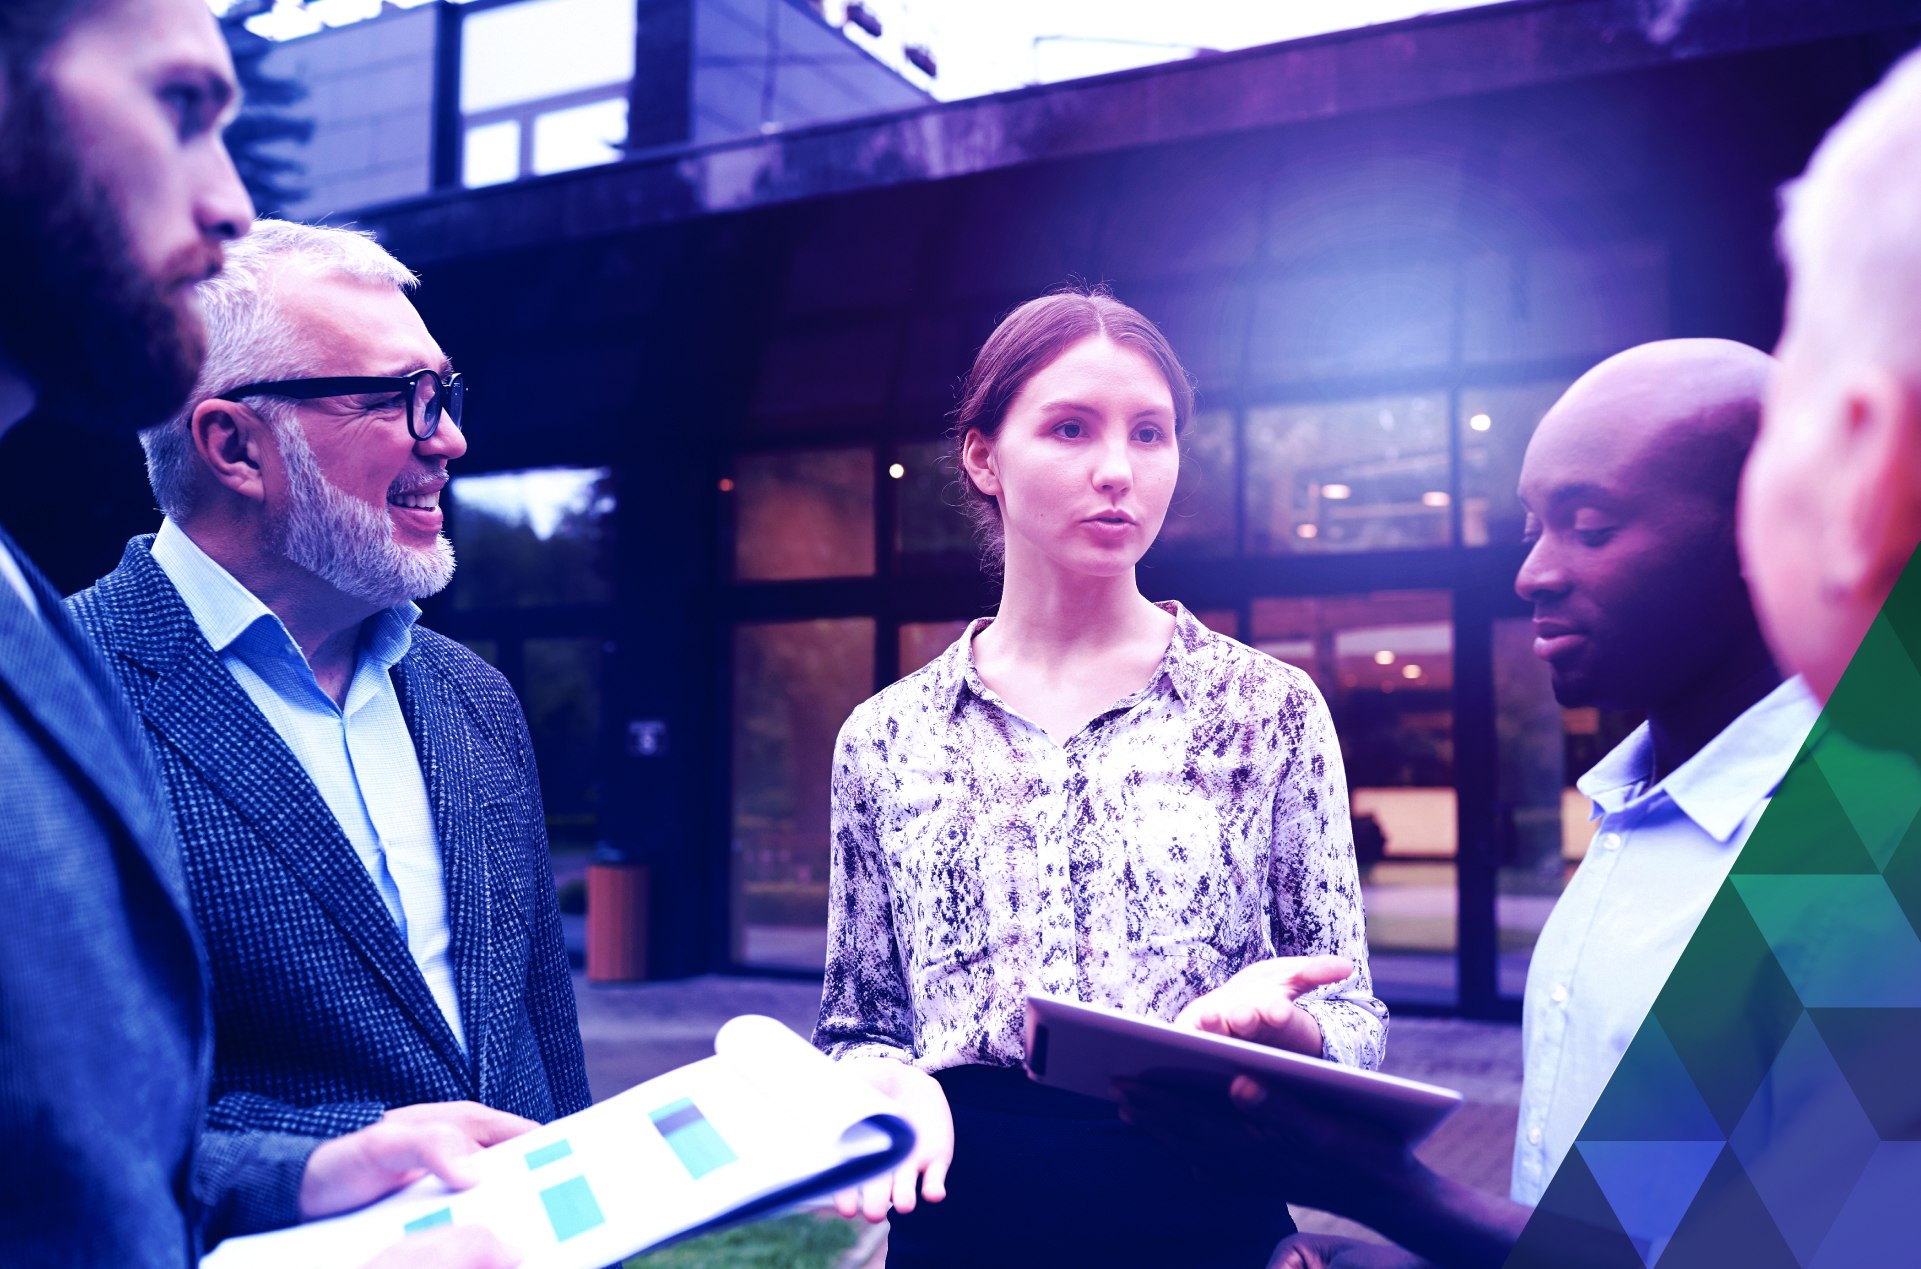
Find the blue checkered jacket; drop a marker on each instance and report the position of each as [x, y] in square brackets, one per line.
[322, 1018]
[105, 1035]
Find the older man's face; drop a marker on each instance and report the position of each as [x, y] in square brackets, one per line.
[361, 445]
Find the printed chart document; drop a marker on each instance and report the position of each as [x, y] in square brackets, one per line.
[765, 1124]
[1085, 1048]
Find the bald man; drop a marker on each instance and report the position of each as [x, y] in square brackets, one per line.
[1630, 486]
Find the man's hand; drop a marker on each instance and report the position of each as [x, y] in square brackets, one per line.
[923, 1104]
[1258, 1003]
[450, 1247]
[407, 1144]
[1330, 1251]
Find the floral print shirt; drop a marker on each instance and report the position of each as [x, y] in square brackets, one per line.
[1192, 829]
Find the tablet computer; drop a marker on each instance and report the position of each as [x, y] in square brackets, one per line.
[1085, 1048]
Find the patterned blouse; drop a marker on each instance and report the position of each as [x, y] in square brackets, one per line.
[1194, 828]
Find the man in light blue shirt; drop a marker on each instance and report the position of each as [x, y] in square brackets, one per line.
[1630, 485]
[356, 797]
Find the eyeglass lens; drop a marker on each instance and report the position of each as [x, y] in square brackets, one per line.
[431, 397]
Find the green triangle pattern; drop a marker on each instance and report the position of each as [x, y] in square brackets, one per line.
[1794, 1018]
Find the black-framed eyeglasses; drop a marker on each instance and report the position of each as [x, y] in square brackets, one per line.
[429, 397]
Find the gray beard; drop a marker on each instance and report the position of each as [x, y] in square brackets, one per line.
[348, 544]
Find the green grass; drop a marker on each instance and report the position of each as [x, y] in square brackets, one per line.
[801, 1241]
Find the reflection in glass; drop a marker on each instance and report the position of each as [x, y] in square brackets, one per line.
[931, 532]
[529, 539]
[1385, 663]
[1530, 792]
[922, 641]
[561, 695]
[492, 155]
[580, 136]
[1200, 520]
[543, 48]
[804, 513]
[1496, 425]
[794, 685]
[1348, 476]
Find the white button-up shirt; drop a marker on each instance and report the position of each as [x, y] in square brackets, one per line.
[1191, 829]
[1653, 867]
[359, 754]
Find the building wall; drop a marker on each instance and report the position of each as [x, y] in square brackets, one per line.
[371, 95]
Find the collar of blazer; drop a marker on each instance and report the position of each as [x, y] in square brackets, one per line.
[194, 704]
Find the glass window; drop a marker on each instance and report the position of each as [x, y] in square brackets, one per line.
[1348, 476]
[794, 685]
[561, 694]
[1531, 832]
[804, 513]
[529, 539]
[1200, 520]
[492, 155]
[922, 641]
[1385, 663]
[543, 48]
[931, 532]
[1496, 425]
[579, 136]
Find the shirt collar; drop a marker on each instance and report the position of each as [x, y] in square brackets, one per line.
[225, 610]
[1180, 664]
[1719, 786]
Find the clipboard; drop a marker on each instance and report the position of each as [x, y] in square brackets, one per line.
[1085, 1048]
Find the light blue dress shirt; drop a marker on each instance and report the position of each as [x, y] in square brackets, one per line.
[359, 754]
[1658, 856]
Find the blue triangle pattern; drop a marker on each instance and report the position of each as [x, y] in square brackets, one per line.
[1651, 1096]
[1877, 1227]
[1842, 940]
[1804, 1140]
[1649, 1184]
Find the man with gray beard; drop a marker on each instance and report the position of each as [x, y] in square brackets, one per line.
[356, 797]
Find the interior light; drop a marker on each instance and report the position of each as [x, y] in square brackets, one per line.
[1384, 657]
[726, 485]
[1305, 530]
[1336, 492]
[1434, 498]
[1410, 671]
[896, 471]
[1480, 422]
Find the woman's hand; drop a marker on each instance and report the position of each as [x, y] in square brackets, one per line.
[924, 1105]
[1258, 1003]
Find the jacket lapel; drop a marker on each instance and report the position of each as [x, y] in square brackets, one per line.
[197, 707]
[54, 671]
[445, 742]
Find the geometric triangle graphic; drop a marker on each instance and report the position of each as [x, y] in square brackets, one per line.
[1728, 1225]
[1879, 1052]
[1903, 875]
[1877, 1227]
[1573, 1227]
[1651, 1098]
[1804, 1141]
[1878, 789]
[1877, 701]
[1842, 941]
[1649, 1184]
[1804, 829]
[1727, 1007]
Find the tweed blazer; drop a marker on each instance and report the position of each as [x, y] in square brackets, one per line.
[322, 1018]
[104, 1026]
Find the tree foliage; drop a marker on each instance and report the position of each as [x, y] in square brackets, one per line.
[257, 137]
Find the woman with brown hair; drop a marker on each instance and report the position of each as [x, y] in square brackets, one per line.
[1088, 795]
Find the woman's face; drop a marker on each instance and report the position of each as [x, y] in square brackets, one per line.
[1085, 462]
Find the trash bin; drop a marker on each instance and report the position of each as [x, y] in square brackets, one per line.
[616, 920]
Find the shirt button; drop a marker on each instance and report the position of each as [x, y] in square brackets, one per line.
[1559, 993]
[1610, 841]
[1534, 1136]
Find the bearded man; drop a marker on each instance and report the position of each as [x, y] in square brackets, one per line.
[116, 199]
[355, 797]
